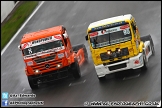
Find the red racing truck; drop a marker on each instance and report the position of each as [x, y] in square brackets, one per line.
[49, 55]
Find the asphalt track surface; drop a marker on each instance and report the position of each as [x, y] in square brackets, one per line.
[76, 16]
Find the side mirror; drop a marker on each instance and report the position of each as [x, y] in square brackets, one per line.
[65, 34]
[19, 47]
[86, 37]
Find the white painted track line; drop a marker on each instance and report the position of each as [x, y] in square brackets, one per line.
[4, 49]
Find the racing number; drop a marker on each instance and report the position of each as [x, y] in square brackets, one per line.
[30, 50]
[126, 31]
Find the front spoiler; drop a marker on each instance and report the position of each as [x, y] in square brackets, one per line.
[51, 76]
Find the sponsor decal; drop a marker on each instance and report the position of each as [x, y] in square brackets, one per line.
[57, 37]
[41, 41]
[111, 30]
[107, 25]
[103, 31]
[93, 34]
[24, 45]
[30, 63]
[60, 55]
[43, 52]
[124, 27]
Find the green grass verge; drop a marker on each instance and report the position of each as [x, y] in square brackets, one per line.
[9, 28]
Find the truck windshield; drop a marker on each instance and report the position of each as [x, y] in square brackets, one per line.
[43, 47]
[110, 36]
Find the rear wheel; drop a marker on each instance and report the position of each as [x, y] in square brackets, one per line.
[33, 83]
[76, 70]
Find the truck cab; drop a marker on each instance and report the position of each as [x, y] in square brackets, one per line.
[49, 55]
[116, 45]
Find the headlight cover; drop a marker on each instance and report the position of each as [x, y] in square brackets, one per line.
[36, 71]
[61, 55]
[29, 63]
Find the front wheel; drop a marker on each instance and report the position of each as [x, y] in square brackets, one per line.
[102, 79]
[144, 68]
[76, 70]
[153, 50]
[33, 83]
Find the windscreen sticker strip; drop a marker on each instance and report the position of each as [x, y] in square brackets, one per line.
[44, 52]
[125, 29]
[41, 41]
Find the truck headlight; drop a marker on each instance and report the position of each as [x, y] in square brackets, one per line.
[61, 55]
[36, 71]
[59, 65]
[109, 52]
[119, 50]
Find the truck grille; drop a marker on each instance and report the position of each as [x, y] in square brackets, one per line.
[117, 66]
[104, 56]
[40, 60]
[42, 66]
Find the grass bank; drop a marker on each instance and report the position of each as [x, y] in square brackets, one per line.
[18, 17]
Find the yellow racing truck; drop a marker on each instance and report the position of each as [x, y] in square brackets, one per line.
[116, 45]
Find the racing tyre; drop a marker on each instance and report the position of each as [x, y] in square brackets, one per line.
[76, 70]
[102, 79]
[149, 38]
[33, 83]
[144, 68]
[77, 47]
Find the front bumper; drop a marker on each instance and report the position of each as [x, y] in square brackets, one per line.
[51, 76]
[102, 70]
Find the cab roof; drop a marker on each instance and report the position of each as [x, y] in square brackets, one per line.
[41, 34]
[110, 20]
